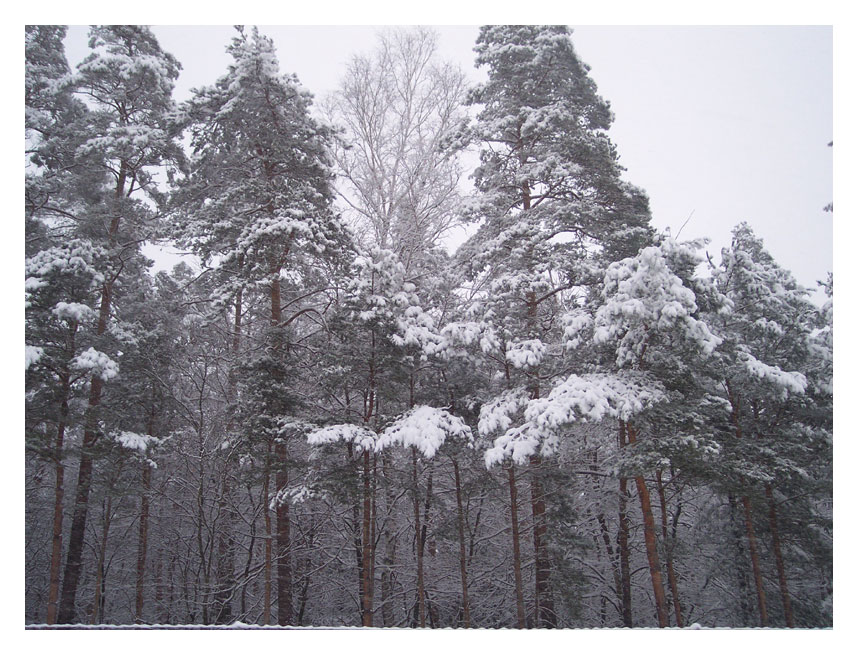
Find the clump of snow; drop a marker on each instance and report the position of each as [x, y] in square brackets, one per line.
[425, 428]
[498, 414]
[524, 354]
[73, 311]
[139, 443]
[362, 437]
[793, 381]
[97, 363]
[578, 398]
[575, 324]
[32, 354]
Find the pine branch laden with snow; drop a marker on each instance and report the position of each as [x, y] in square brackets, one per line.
[362, 438]
[576, 399]
[427, 429]
[644, 297]
[96, 363]
[379, 295]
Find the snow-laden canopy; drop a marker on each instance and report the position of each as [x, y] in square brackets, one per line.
[576, 399]
[425, 428]
[644, 296]
[363, 438]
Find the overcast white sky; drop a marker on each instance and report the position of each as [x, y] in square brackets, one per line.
[730, 123]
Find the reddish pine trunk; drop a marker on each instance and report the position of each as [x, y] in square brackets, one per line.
[651, 543]
[779, 560]
[755, 563]
[516, 548]
[463, 566]
[749, 524]
[671, 573]
[71, 574]
[284, 563]
[543, 611]
[284, 566]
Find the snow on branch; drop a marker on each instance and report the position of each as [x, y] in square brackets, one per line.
[577, 399]
[360, 436]
[425, 428]
[97, 363]
[793, 381]
[32, 354]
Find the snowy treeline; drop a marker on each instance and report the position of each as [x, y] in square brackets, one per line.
[325, 418]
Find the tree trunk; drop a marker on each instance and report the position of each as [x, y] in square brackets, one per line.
[516, 548]
[71, 574]
[755, 563]
[623, 542]
[737, 527]
[226, 579]
[421, 606]
[779, 560]
[543, 611]
[463, 565]
[388, 574]
[735, 402]
[424, 529]
[284, 566]
[266, 513]
[142, 540]
[651, 542]
[59, 490]
[98, 602]
[671, 573]
[366, 549]
[284, 563]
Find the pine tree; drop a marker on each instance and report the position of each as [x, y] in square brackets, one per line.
[552, 205]
[258, 200]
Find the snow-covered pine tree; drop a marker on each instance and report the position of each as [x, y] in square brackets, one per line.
[95, 155]
[257, 205]
[777, 442]
[552, 207]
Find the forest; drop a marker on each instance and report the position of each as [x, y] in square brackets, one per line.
[327, 416]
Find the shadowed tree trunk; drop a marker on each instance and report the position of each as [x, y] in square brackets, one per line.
[463, 563]
[226, 581]
[735, 403]
[366, 546]
[266, 513]
[623, 542]
[142, 541]
[543, 611]
[59, 490]
[418, 543]
[755, 562]
[779, 560]
[388, 574]
[516, 548]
